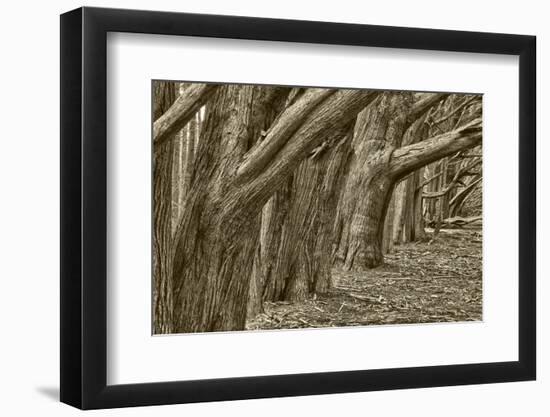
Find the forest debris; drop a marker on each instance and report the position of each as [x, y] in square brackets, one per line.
[419, 283]
[363, 297]
[461, 221]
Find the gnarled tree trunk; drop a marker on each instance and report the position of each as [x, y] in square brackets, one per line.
[292, 261]
[164, 94]
[369, 185]
[235, 175]
[379, 162]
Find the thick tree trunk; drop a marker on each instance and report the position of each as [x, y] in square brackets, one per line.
[446, 194]
[273, 218]
[364, 245]
[369, 186]
[189, 164]
[379, 162]
[387, 236]
[212, 263]
[217, 236]
[164, 96]
[177, 175]
[407, 220]
[400, 193]
[297, 225]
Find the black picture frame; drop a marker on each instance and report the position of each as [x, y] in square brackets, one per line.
[84, 207]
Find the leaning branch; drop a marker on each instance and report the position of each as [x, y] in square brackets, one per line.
[460, 173]
[284, 127]
[422, 106]
[429, 180]
[183, 109]
[331, 115]
[457, 199]
[411, 157]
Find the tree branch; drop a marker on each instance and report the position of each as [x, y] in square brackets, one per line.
[422, 106]
[461, 172]
[283, 128]
[328, 117]
[183, 109]
[459, 108]
[432, 178]
[463, 193]
[409, 158]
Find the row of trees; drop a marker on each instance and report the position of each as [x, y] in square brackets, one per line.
[260, 190]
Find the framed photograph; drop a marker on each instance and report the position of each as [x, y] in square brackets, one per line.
[258, 208]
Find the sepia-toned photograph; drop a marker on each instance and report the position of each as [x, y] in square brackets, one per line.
[290, 207]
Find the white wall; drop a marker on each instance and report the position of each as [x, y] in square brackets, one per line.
[29, 225]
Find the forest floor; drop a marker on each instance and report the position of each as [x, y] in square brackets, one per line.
[439, 280]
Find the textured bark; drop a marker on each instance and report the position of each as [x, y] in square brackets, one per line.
[211, 268]
[408, 222]
[177, 176]
[277, 137]
[379, 162]
[164, 94]
[400, 194]
[217, 236]
[189, 165]
[273, 217]
[184, 166]
[412, 157]
[258, 195]
[293, 261]
[416, 230]
[387, 235]
[360, 223]
[444, 202]
[432, 183]
[173, 119]
[337, 109]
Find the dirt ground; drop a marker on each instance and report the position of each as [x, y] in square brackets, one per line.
[439, 280]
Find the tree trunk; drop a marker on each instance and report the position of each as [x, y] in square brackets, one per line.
[408, 224]
[189, 165]
[416, 231]
[364, 245]
[211, 268]
[273, 218]
[297, 224]
[235, 175]
[164, 94]
[177, 174]
[378, 132]
[387, 236]
[378, 163]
